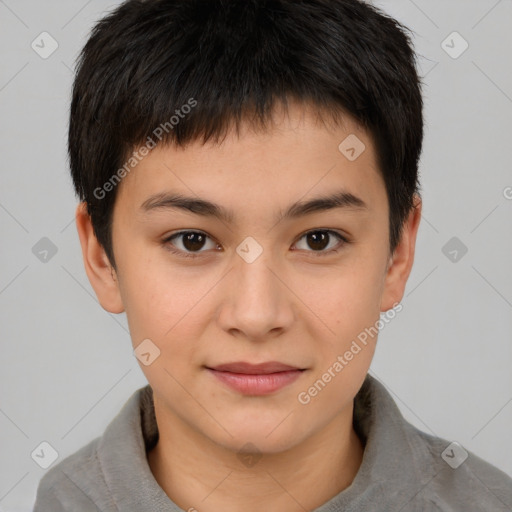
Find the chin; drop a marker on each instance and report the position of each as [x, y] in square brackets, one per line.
[257, 440]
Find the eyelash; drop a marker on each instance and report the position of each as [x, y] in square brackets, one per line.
[179, 252]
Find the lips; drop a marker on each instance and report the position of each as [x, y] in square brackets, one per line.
[254, 369]
[256, 379]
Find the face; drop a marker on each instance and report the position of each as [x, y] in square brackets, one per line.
[258, 284]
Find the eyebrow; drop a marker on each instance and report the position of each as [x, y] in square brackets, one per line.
[198, 206]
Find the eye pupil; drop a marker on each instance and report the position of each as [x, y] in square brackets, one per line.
[318, 239]
[193, 241]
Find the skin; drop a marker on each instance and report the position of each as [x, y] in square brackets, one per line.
[289, 305]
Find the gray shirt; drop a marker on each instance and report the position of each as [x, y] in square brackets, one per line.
[403, 469]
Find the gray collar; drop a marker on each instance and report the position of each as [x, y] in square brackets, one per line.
[396, 463]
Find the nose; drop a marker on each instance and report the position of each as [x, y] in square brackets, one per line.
[257, 303]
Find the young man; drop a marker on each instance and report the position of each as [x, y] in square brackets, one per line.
[247, 171]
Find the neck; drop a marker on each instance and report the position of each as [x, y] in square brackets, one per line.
[198, 474]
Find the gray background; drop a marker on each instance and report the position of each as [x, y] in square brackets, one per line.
[67, 365]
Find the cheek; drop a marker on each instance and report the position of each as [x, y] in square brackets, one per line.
[151, 298]
[165, 302]
[349, 306]
[346, 298]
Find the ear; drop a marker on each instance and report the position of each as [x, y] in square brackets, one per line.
[100, 272]
[400, 263]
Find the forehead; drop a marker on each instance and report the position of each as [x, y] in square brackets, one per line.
[252, 170]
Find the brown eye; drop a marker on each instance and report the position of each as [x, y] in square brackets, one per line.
[193, 241]
[320, 239]
[188, 243]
